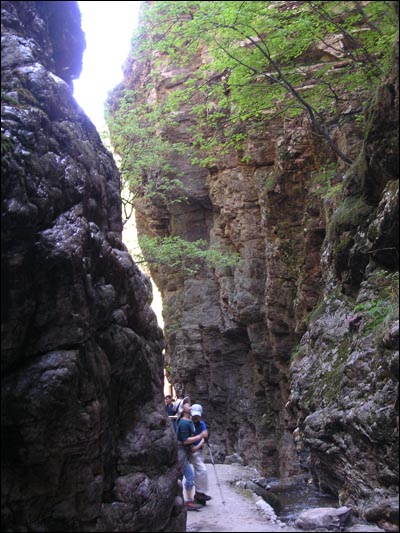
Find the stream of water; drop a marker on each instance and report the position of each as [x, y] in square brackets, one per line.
[298, 498]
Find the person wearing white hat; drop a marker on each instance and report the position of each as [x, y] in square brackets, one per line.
[196, 458]
[184, 432]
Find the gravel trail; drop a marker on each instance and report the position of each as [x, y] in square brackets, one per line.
[239, 513]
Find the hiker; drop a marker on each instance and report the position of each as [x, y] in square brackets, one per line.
[174, 408]
[196, 458]
[185, 437]
[169, 406]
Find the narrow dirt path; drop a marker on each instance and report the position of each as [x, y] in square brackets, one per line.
[238, 513]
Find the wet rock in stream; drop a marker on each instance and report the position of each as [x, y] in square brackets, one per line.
[300, 504]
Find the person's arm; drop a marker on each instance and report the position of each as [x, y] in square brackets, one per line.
[191, 440]
[198, 446]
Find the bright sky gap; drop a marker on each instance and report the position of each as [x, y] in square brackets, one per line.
[108, 28]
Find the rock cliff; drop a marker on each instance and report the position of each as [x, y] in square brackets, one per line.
[86, 445]
[292, 353]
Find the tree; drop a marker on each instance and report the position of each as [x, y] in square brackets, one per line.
[184, 256]
[256, 63]
[145, 167]
[260, 60]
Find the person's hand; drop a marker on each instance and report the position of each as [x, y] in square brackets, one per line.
[198, 446]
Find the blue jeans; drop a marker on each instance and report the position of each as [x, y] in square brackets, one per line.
[189, 476]
[186, 468]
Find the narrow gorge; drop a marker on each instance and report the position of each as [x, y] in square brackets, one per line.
[272, 236]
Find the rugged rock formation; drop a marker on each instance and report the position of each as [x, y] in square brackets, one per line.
[86, 445]
[289, 352]
[345, 379]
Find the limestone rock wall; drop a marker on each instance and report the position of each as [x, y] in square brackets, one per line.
[344, 380]
[230, 333]
[86, 445]
[293, 353]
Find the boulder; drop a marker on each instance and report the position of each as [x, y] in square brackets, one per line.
[328, 518]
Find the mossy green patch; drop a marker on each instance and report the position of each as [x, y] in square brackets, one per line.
[353, 212]
[384, 307]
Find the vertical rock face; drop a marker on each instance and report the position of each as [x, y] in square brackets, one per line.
[345, 378]
[230, 333]
[86, 445]
[293, 353]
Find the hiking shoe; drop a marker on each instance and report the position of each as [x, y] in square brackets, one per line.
[202, 497]
[191, 506]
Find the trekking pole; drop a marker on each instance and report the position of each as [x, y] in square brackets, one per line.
[215, 470]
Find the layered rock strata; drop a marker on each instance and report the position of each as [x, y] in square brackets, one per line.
[344, 380]
[86, 445]
[293, 353]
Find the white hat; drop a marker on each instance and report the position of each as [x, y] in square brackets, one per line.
[196, 409]
[178, 405]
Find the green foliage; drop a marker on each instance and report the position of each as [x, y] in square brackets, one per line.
[296, 353]
[6, 98]
[317, 312]
[184, 256]
[325, 182]
[19, 97]
[381, 310]
[331, 382]
[257, 61]
[376, 311]
[270, 183]
[351, 213]
[146, 168]
[256, 67]
[7, 144]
